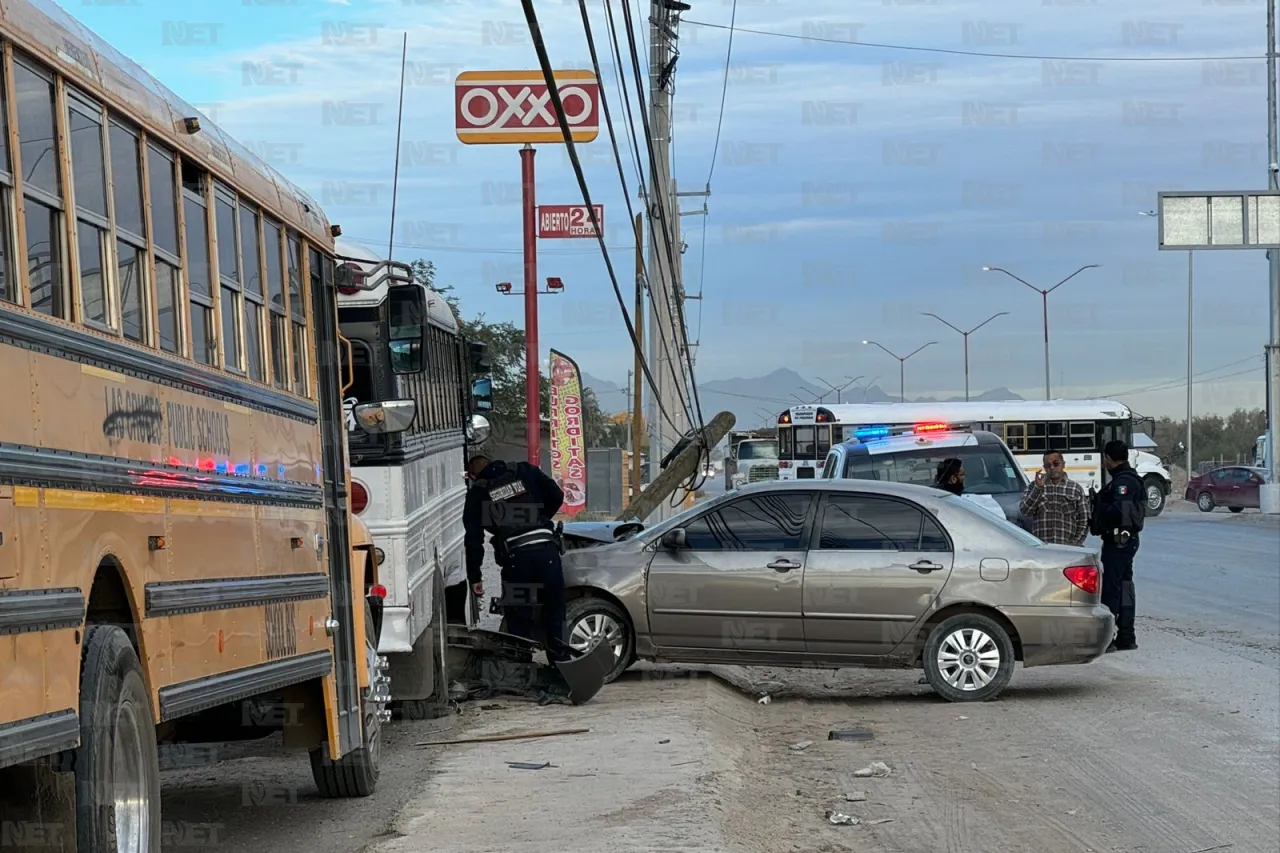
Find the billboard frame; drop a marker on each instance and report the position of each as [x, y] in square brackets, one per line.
[1243, 195]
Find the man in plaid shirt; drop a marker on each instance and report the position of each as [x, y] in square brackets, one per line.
[1057, 504]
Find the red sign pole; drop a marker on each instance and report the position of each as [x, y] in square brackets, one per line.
[532, 401]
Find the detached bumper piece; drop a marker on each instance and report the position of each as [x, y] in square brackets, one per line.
[483, 664]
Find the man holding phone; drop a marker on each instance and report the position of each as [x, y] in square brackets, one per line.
[1057, 504]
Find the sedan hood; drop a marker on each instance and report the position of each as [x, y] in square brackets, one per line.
[601, 531]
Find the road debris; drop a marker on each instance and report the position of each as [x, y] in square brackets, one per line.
[842, 819]
[526, 765]
[493, 738]
[664, 740]
[878, 821]
[851, 734]
[962, 717]
[802, 745]
[856, 797]
[765, 699]
[875, 768]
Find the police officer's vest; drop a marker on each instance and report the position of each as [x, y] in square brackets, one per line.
[510, 508]
[1124, 488]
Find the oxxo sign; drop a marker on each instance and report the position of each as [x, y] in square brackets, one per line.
[513, 107]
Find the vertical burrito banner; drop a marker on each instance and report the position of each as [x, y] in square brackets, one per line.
[568, 441]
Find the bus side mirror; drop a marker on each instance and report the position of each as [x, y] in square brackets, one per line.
[407, 305]
[478, 358]
[478, 430]
[482, 395]
[388, 416]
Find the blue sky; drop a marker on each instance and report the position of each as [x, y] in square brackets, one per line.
[854, 187]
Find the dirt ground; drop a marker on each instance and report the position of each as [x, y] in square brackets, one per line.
[1115, 756]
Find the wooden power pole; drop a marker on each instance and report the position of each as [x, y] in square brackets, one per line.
[637, 387]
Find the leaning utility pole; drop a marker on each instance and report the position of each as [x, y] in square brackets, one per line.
[664, 347]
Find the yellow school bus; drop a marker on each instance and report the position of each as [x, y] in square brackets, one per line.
[177, 559]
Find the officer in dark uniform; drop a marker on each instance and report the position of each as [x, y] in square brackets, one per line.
[515, 504]
[1118, 513]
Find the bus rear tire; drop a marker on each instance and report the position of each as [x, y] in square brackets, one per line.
[1155, 495]
[117, 765]
[356, 773]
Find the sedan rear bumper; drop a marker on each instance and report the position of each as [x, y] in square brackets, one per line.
[1062, 635]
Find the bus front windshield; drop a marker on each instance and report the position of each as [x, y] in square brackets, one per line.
[987, 470]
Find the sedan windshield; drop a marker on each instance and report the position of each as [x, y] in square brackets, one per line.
[988, 471]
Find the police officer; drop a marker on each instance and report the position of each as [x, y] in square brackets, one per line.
[1118, 513]
[515, 504]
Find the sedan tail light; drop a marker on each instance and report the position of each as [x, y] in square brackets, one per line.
[1086, 578]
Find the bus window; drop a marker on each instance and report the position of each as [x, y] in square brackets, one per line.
[1082, 436]
[1037, 441]
[805, 438]
[1113, 431]
[1057, 435]
[824, 441]
[1015, 435]
[786, 446]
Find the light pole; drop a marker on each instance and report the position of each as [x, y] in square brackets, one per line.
[966, 343]
[1044, 297]
[902, 365]
[841, 388]
[866, 388]
[1190, 342]
[805, 402]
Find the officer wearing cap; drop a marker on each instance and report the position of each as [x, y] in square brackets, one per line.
[515, 505]
[1118, 513]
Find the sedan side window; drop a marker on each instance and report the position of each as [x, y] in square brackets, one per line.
[860, 523]
[762, 523]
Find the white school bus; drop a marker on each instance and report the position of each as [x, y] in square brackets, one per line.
[178, 562]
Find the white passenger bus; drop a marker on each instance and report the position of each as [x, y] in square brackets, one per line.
[1078, 428]
[409, 488]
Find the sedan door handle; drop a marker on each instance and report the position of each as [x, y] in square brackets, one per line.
[783, 565]
[925, 566]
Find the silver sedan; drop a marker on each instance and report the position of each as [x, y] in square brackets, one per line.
[842, 573]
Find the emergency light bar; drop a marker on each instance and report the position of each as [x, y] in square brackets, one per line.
[934, 427]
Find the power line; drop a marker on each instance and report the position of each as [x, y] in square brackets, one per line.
[1177, 383]
[724, 93]
[977, 53]
[626, 192]
[535, 32]
[661, 197]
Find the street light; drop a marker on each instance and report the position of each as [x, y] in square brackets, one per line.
[902, 362]
[1044, 296]
[1190, 341]
[841, 388]
[867, 387]
[966, 343]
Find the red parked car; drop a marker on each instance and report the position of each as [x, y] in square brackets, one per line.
[1234, 486]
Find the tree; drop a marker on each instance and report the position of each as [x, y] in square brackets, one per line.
[1213, 437]
[506, 352]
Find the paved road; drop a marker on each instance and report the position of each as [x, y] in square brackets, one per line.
[1213, 577]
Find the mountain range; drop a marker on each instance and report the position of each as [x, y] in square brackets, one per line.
[758, 400]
